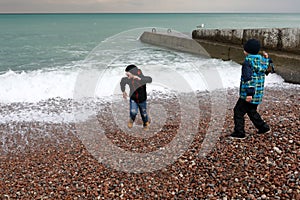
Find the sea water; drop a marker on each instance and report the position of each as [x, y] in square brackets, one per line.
[44, 56]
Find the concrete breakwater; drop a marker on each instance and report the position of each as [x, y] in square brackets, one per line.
[283, 46]
[173, 40]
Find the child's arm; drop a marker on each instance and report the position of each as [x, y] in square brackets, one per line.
[131, 76]
[146, 79]
[123, 83]
[270, 64]
[247, 74]
[246, 71]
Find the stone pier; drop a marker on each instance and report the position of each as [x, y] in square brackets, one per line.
[283, 46]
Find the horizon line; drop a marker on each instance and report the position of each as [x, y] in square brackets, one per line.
[208, 12]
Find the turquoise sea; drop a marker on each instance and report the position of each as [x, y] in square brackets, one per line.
[41, 55]
[37, 41]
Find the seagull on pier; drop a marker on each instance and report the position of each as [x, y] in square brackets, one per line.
[200, 26]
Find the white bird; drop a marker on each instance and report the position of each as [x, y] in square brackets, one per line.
[200, 26]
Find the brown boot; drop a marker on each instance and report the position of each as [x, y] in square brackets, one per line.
[130, 123]
[146, 126]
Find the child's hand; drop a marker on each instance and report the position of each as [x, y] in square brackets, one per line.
[265, 54]
[125, 95]
[131, 76]
[137, 78]
[249, 98]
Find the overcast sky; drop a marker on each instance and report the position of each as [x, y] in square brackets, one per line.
[58, 6]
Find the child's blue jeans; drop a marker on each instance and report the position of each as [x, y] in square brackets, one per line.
[134, 107]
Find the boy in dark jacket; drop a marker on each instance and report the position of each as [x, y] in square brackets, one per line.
[251, 89]
[138, 94]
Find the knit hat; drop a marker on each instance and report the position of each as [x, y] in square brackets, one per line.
[252, 46]
[132, 69]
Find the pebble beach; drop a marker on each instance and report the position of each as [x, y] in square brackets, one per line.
[45, 160]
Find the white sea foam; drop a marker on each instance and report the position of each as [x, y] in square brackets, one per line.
[35, 86]
[46, 96]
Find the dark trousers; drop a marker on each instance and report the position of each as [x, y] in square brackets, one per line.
[241, 108]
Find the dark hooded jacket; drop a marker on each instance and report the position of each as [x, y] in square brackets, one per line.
[138, 91]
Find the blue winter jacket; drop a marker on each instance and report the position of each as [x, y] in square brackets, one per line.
[253, 77]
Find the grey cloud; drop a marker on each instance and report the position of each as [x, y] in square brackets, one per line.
[149, 6]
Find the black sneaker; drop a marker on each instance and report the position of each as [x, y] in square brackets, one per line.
[265, 129]
[236, 135]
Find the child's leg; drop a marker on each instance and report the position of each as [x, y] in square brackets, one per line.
[240, 110]
[133, 109]
[143, 111]
[256, 118]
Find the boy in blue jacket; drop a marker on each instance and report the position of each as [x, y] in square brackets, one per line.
[251, 90]
[138, 94]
